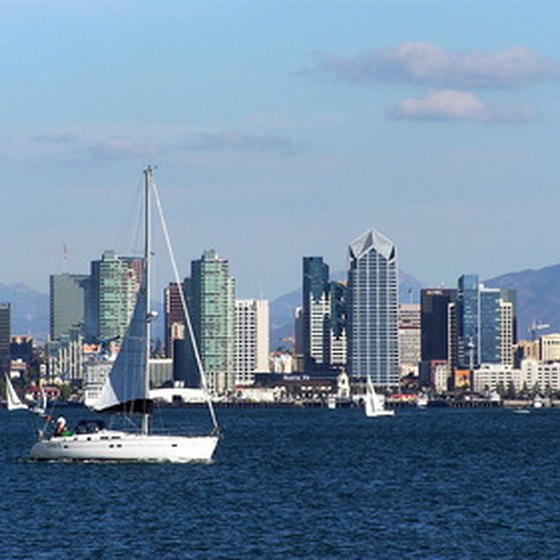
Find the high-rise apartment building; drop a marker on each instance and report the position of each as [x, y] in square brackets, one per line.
[66, 298]
[210, 292]
[323, 318]
[373, 343]
[336, 325]
[111, 295]
[5, 337]
[252, 339]
[316, 307]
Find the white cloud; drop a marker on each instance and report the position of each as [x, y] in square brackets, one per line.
[459, 105]
[119, 148]
[426, 63]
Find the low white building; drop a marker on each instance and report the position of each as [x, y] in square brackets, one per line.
[532, 375]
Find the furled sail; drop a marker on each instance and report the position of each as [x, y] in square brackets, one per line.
[125, 388]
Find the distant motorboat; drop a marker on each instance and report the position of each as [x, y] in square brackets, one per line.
[374, 403]
[331, 402]
[422, 400]
[538, 402]
[13, 402]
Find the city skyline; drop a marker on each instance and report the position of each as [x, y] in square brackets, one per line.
[276, 127]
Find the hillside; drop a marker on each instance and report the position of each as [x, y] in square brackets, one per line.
[538, 297]
[29, 309]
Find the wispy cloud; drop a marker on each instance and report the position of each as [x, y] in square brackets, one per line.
[120, 148]
[207, 141]
[56, 138]
[459, 106]
[425, 63]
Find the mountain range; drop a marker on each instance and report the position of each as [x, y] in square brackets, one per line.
[538, 301]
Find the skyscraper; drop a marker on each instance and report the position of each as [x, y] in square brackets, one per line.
[323, 318]
[67, 294]
[210, 292]
[485, 324]
[5, 337]
[434, 323]
[251, 352]
[373, 347]
[316, 308]
[111, 295]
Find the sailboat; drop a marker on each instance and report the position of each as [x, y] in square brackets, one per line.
[13, 402]
[375, 403]
[41, 405]
[126, 391]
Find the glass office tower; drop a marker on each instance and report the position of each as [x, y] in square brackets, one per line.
[373, 348]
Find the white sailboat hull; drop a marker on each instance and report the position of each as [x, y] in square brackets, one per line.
[110, 445]
[372, 413]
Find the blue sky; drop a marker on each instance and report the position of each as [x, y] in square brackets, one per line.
[282, 130]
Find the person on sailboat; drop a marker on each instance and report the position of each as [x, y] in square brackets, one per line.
[60, 426]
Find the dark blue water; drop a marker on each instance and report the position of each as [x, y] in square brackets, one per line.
[297, 483]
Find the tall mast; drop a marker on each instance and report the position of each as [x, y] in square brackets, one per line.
[147, 290]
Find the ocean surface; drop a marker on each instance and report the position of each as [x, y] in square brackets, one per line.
[299, 483]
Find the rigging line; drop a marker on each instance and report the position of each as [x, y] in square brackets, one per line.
[184, 306]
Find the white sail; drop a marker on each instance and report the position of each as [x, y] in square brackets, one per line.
[13, 402]
[125, 384]
[375, 403]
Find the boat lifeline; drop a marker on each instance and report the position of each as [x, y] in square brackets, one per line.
[374, 403]
[126, 391]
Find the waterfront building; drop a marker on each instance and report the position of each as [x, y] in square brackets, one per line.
[66, 302]
[65, 356]
[111, 295]
[210, 292]
[549, 347]
[532, 376]
[252, 340]
[5, 337]
[373, 348]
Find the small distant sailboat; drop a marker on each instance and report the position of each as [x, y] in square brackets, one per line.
[13, 402]
[375, 403]
[41, 405]
[126, 392]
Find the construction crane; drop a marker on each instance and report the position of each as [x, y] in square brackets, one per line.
[535, 327]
